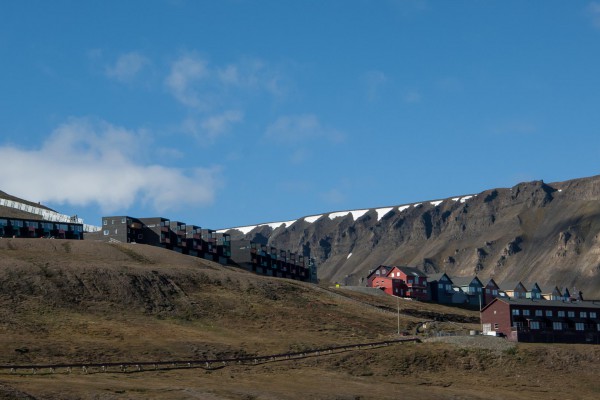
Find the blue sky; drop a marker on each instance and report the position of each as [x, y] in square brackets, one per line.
[231, 112]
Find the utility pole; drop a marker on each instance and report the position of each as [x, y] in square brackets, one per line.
[398, 307]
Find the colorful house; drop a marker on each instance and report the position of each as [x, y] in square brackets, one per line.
[400, 281]
[551, 293]
[514, 289]
[534, 291]
[440, 288]
[473, 289]
[490, 291]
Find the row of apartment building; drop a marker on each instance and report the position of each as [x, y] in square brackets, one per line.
[31, 228]
[172, 235]
[206, 243]
[516, 310]
[270, 261]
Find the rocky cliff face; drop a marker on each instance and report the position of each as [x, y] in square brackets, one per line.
[548, 233]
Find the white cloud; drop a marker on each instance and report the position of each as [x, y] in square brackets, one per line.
[208, 129]
[593, 11]
[216, 125]
[185, 74]
[127, 67]
[252, 74]
[201, 87]
[84, 163]
[293, 129]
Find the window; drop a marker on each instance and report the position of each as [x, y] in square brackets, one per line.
[538, 313]
[123, 220]
[140, 236]
[557, 326]
[579, 326]
[410, 281]
[105, 222]
[526, 313]
[518, 325]
[571, 314]
[592, 314]
[515, 311]
[496, 326]
[548, 313]
[583, 314]
[598, 327]
[534, 325]
[561, 313]
[115, 231]
[106, 232]
[112, 221]
[495, 292]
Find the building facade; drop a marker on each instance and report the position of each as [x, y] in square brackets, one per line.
[533, 320]
[172, 235]
[28, 228]
[400, 281]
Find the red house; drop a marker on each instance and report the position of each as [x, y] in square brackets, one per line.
[400, 281]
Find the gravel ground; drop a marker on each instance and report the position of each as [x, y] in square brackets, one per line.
[478, 341]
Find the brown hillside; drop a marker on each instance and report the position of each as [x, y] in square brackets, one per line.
[83, 302]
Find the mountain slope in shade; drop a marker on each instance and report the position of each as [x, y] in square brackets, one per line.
[548, 233]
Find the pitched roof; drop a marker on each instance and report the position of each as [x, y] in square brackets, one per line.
[412, 271]
[384, 267]
[437, 277]
[531, 285]
[465, 280]
[511, 285]
[550, 289]
[492, 280]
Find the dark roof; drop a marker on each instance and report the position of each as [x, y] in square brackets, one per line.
[548, 303]
[466, 280]
[437, 277]
[492, 280]
[511, 285]
[550, 289]
[531, 285]
[412, 271]
[385, 267]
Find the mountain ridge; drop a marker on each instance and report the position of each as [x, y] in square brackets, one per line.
[533, 231]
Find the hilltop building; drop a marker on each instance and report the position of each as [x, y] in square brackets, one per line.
[172, 235]
[267, 260]
[32, 228]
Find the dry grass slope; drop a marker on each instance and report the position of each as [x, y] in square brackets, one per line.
[78, 301]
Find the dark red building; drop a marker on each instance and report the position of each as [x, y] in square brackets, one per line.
[535, 320]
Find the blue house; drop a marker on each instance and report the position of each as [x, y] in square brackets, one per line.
[440, 288]
[473, 289]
